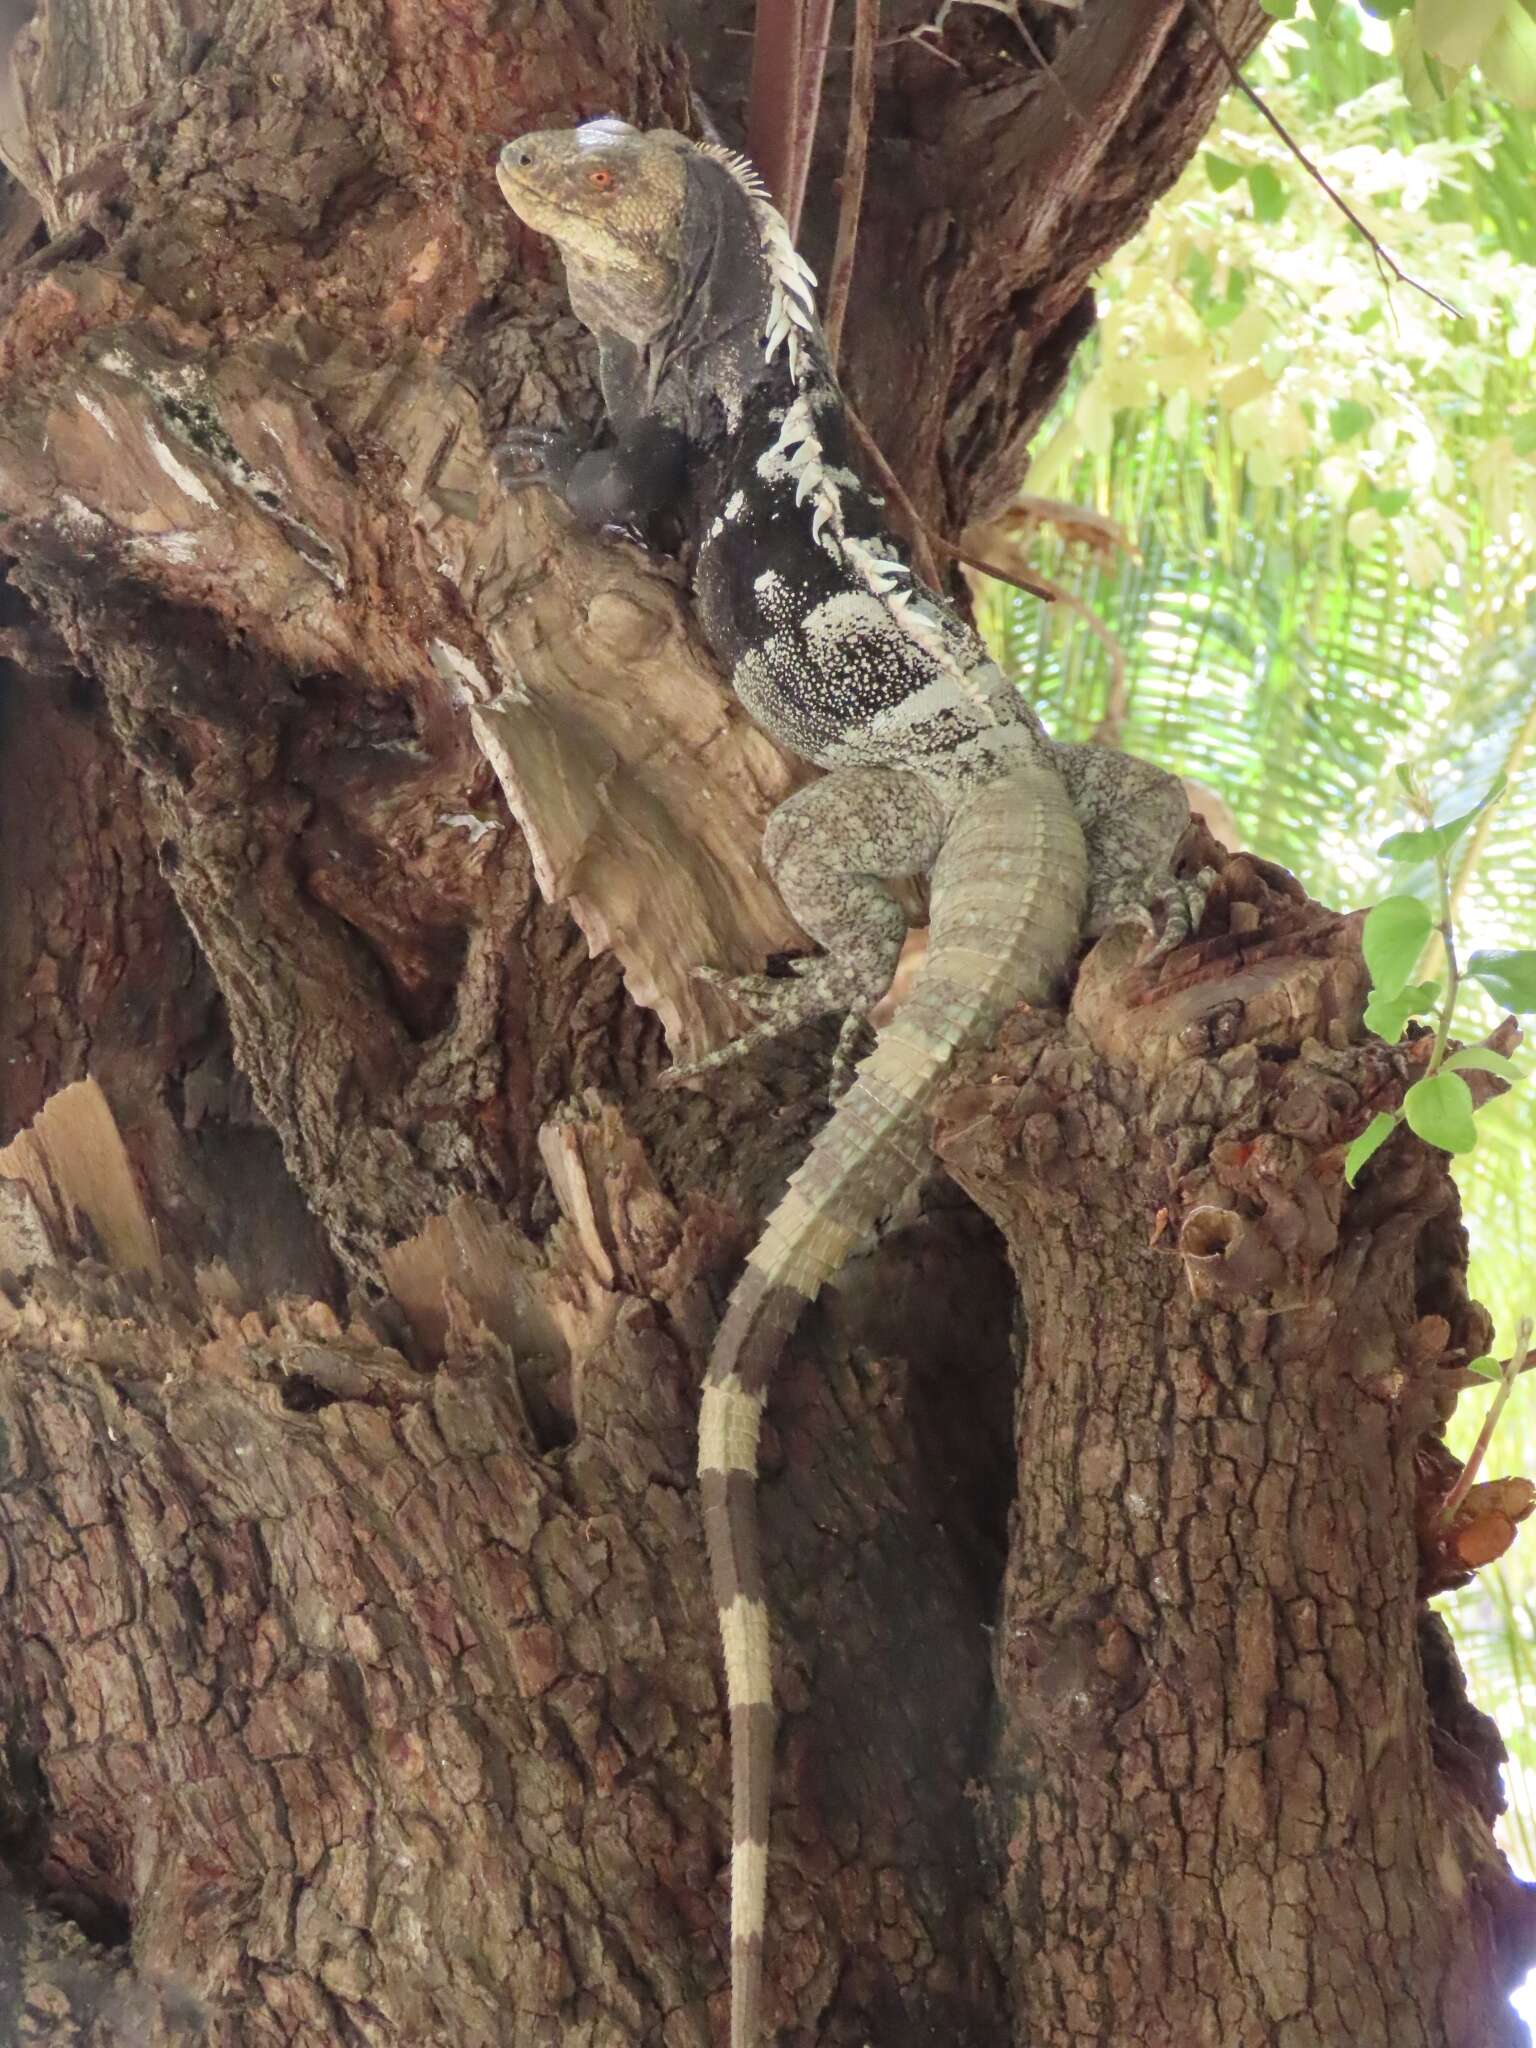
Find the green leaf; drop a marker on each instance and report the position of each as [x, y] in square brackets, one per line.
[1222, 174]
[1522, 431]
[1323, 11]
[1455, 31]
[1393, 938]
[1510, 978]
[1426, 842]
[1416, 845]
[1485, 1061]
[1442, 82]
[1384, 10]
[1390, 503]
[1369, 1142]
[1508, 58]
[1270, 198]
[1387, 1014]
[1423, 78]
[1220, 312]
[1487, 1367]
[1223, 311]
[1438, 1109]
[1348, 418]
[1281, 10]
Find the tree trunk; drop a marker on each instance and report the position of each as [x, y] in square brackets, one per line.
[359, 833]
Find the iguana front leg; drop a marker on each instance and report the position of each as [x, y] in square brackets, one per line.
[627, 484]
[831, 848]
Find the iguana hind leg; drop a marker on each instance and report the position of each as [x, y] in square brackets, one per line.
[1133, 816]
[831, 848]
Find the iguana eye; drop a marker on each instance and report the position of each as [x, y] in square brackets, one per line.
[601, 179]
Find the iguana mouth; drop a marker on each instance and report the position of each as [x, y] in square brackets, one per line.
[544, 208]
[512, 168]
[514, 188]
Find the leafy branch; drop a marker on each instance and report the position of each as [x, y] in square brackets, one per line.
[1439, 1107]
[1439, 42]
[1386, 262]
[1506, 1376]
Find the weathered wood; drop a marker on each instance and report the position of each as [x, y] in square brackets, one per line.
[378, 1697]
[1220, 1776]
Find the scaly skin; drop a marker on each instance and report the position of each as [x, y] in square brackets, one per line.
[722, 407]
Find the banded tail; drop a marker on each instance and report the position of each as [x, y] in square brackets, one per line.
[1009, 893]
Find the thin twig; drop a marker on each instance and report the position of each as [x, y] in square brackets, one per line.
[815, 34]
[1513, 1367]
[773, 94]
[1077, 524]
[1051, 72]
[861, 107]
[1385, 260]
[922, 553]
[1030, 581]
[1036, 585]
[1460, 1381]
[1009, 9]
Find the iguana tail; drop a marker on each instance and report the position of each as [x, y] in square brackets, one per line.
[1008, 899]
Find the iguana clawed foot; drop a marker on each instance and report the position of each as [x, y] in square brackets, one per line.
[536, 455]
[780, 1003]
[1177, 906]
[853, 1041]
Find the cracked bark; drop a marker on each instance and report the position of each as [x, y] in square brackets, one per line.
[359, 831]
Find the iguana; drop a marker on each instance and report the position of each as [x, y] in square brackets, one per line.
[723, 414]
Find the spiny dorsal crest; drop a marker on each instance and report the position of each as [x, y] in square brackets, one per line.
[792, 282]
[792, 325]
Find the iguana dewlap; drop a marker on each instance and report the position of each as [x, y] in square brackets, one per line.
[723, 412]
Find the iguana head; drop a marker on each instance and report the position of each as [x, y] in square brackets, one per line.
[613, 199]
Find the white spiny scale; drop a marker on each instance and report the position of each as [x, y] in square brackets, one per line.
[745, 173]
[884, 574]
[791, 321]
[798, 432]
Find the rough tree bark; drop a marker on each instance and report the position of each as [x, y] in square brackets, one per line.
[358, 834]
